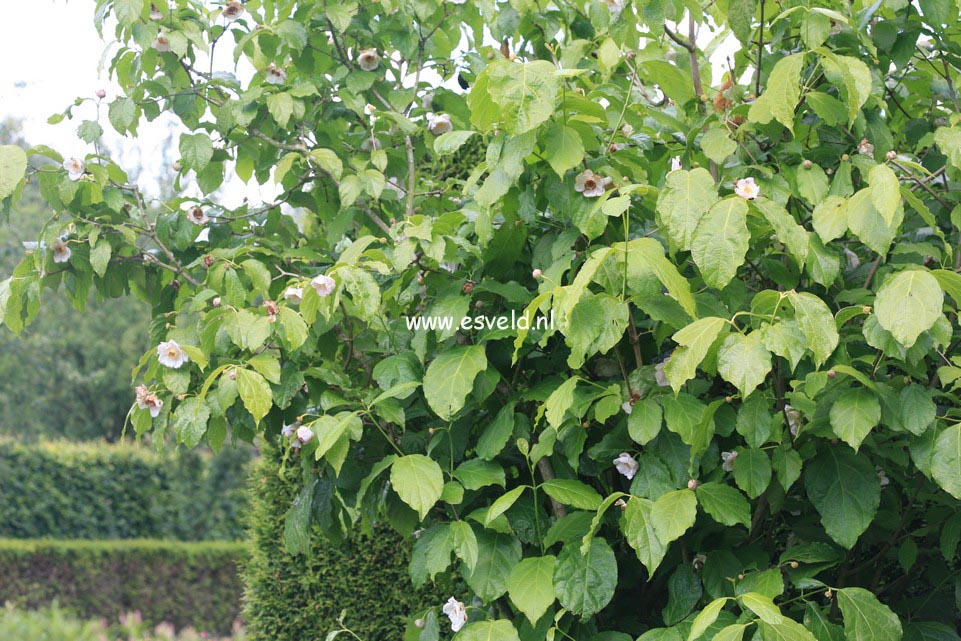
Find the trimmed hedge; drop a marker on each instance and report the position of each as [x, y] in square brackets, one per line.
[299, 598]
[187, 584]
[65, 490]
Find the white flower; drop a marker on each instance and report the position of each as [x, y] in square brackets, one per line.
[627, 130]
[74, 167]
[882, 477]
[457, 1]
[233, 10]
[853, 261]
[747, 188]
[627, 406]
[699, 561]
[793, 419]
[457, 614]
[592, 185]
[626, 465]
[728, 461]
[148, 401]
[274, 75]
[304, 434]
[155, 12]
[342, 244]
[659, 376]
[203, 236]
[171, 354]
[368, 59]
[675, 163]
[197, 216]
[61, 253]
[370, 144]
[427, 100]
[615, 6]
[294, 294]
[161, 44]
[295, 444]
[865, 148]
[290, 430]
[439, 124]
[324, 285]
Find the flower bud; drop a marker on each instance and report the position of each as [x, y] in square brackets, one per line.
[807, 164]
[537, 273]
[845, 157]
[216, 301]
[795, 564]
[692, 484]
[891, 155]
[101, 93]
[832, 373]
[419, 623]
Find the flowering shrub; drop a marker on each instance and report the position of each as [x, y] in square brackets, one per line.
[744, 423]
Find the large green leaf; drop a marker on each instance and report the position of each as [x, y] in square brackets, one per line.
[673, 514]
[781, 93]
[254, 392]
[585, 583]
[866, 618]
[572, 492]
[450, 378]
[418, 481]
[519, 95]
[501, 630]
[885, 191]
[530, 586]
[816, 323]
[497, 554]
[946, 460]
[686, 197]
[752, 471]
[639, 531]
[695, 340]
[720, 241]
[844, 488]
[854, 414]
[743, 361]
[13, 165]
[908, 304]
[724, 503]
[787, 230]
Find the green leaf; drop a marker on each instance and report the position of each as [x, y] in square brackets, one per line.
[852, 76]
[100, 257]
[196, 150]
[740, 17]
[788, 231]
[673, 514]
[418, 480]
[128, 11]
[830, 218]
[946, 460]
[733, 632]
[446, 144]
[763, 607]
[520, 95]
[866, 618]
[13, 166]
[530, 586]
[706, 618]
[477, 473]
[450, 378]
[781, 93]
[297, 521]
[464, 542]
[868, 224]
[885, 191]
[496, 435]
[724, 504]
[585, 583]
[786, 630]
[489, 631]
[844, 489]
[695, 341]
[644, 422]
[560, 401]
[572, 492]
[816, 323]
[752, 471]
[254, 392]
[854, 414]
[503, 503]
[563, 149]
[686, 197]
[639, 531]
[743, 361]
[908, 304]
[327, 160]
[497, 554]
[720, 242]
[717, 145]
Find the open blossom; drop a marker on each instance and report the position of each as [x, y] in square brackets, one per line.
[793, 419]
[853, 262]
[294, 294]
[197, 216]
[626, 465]
[171, 354]
[728, 461]
[148, 401]
[161, 44]
[627, 130]
[439, 124]
[865, 148]
[615, 6]
[289, 430]
[342, 245]
[592, 185]
[675, 163]
[233, 10]
[304, 434]
[203, 236]
[155, 12]
[271, 308]
[324, 285]
[368, 59]
[457, 614]
[660, 377]
[883, 479]
[627, 406]
[747, 188]
[61, 252]
[74, 167]
[274, 75]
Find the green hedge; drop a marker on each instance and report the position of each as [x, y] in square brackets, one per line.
[65, 490]
[195, 584]
[299, 598]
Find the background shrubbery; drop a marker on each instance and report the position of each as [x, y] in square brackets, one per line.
[298, 597]
[72, 491]
[186, 584]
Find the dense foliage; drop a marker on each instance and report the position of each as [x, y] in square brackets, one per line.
[184, 584]
[744, 422]
[57, 489]
[362, 578]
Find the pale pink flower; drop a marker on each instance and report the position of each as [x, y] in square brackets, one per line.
[324, 285]
[727, 459]
[537, 273]
[75, 168]
[676, 163]
[161, 44]
[233, 10]
[747, 188]
[304, 434]
[590, 184]
[61, 252]
[148, 401]
[289, 430]
[155, 12]
[660, 377]
[101, 93]
[274, 75]
[439, 124]
[457, 613]
[294, 294]
[197, 216]
[627, 130]
[626, 465]
[368, 59]
[171, 354]
[865, 148]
